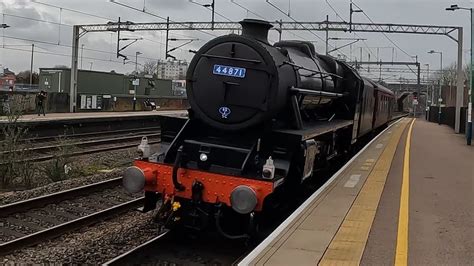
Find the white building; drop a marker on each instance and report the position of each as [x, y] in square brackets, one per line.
[172, 69]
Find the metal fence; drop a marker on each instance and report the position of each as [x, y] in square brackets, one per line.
[21, 87]
[447, 116]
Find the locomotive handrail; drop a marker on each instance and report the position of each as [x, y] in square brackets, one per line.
[317, 93]
[178, 186]
[312, 70]
[232, 58]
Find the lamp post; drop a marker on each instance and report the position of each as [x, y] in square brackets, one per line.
[471, 84]
[135, 85]
[440, 99]
[427, 108]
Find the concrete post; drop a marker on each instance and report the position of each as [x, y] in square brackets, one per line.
[31, 65]
[74, 57]
[471, 85]
[459, 83]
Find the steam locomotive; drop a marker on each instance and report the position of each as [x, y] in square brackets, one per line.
[263, 119]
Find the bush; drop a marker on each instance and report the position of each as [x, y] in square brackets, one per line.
[62, 167]
[13, 147]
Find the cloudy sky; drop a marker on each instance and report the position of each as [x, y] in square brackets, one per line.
[47, 23]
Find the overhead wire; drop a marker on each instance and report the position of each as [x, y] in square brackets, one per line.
[209, 8]
[154, 15]
[65, 55]
[62, 24]
[246, 9]
[384, 34]
[262, 17]
[70, 46]
[357, 35]
[289, 16]
[37, 20]
[73, 10]
[334, 10]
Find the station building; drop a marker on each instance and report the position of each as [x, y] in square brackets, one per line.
[108, 91]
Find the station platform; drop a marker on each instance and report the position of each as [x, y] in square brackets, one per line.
[55, 124]
[407, 198]
[34, 118]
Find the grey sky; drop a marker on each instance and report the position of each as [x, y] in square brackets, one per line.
[48, 34]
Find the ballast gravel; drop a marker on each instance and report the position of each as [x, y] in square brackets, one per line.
[91, 245]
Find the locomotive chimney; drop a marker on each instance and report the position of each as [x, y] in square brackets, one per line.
[256, 29]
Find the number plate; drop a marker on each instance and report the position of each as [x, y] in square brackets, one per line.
[230, 71]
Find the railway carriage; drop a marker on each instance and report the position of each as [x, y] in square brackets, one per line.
[263, 118]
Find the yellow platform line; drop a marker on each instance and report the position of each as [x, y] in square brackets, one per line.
[401, 254]
[347, 246]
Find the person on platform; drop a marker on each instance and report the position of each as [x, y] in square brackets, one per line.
[150, 104]
[40, 101]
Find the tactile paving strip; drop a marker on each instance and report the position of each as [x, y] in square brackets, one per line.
[347, 246]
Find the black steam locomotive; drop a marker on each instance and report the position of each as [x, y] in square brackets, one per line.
[263, 118]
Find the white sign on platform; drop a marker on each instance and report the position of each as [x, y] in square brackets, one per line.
[136, 82]
[415, 102]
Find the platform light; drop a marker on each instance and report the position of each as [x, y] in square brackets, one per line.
[452, 8]
[440, 85]
[471, 93]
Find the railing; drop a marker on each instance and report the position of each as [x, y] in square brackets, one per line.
[21, 87]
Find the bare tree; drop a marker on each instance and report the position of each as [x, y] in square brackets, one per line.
[149, 67]
[24, 77]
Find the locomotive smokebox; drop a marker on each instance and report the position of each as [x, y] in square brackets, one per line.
[235, 82]
[256, 29]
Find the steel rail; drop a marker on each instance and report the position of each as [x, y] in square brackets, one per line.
[61, 229]
[84, 143]
[24, 205]
[92, 134]
[78, 153]
[398, 116]
[133, 253]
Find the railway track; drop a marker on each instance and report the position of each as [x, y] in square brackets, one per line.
[36, 220]
[137, 251]
[91, 135]
[89, 143]
[168, 248]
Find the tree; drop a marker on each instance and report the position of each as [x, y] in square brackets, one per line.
[149, 67]
[24, 77]
[450, 75]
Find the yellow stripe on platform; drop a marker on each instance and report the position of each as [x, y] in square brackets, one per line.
[347, 246]
[401, 255]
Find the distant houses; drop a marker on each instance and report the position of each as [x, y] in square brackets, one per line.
[7, 79]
